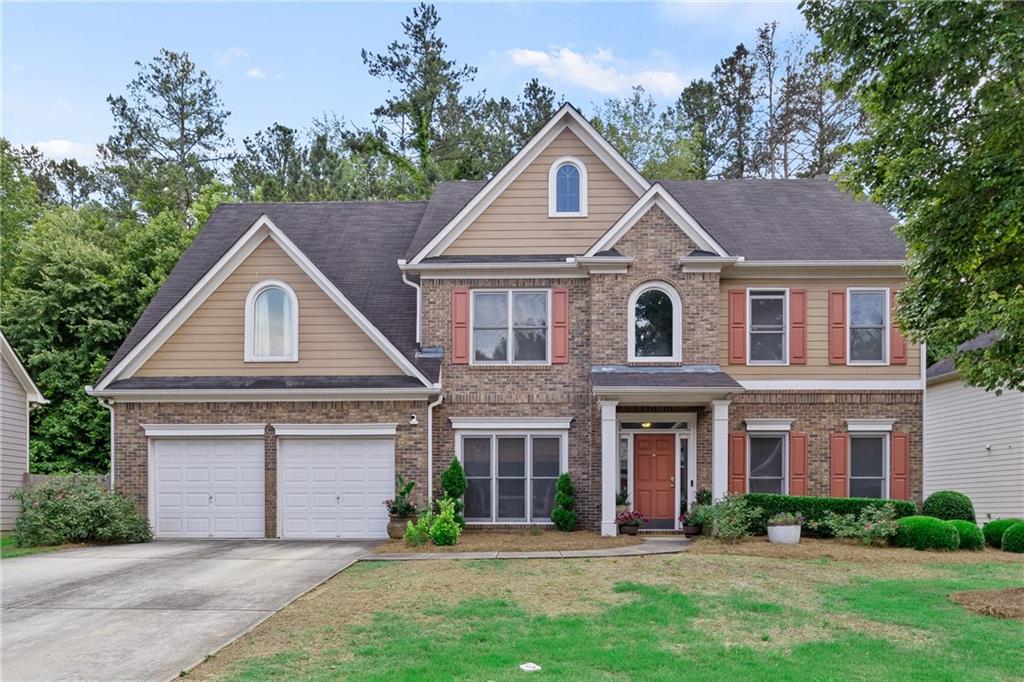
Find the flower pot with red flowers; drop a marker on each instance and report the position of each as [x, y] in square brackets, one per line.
[630, 522]
[401, 509]
[694, 521]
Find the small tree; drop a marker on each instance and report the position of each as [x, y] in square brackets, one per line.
[562, 513]
[453, 482]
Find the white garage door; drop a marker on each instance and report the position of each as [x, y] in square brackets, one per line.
[208, 488]
[335, 487]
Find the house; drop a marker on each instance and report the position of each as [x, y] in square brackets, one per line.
[974, 439]
[568, 315]
[17, 394]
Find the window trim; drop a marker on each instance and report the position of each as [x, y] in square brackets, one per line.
[784, 362]
[886, 305]
[250, 322]
[553, 211]
[886, 463]
[677, 323]
[784, 435]
[509, 328]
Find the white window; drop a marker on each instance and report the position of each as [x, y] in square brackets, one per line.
[868, 466]
[768, 314]
[511, 477]
[271, 323]
[511, 327]
[567, 188]
[766, 466]
[655, 324]
[868, 326]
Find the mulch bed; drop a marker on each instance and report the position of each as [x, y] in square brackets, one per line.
[844, 550]
[515, 541]
[1007, 603]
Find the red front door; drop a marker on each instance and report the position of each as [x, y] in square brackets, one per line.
[654, 461]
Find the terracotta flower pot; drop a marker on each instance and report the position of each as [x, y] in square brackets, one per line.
[690, 531]
[397, 525]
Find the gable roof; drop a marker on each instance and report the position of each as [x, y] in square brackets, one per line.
[946, 367]
[447, 200]
[12, 360]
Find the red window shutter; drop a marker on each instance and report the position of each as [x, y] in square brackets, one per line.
[838, 444]
[737, 326]
[460, 326]
[899, 462]
[837, 327]
[797, 327]
[798, 464]
[897, 344]
[737, 463]
[559, 326]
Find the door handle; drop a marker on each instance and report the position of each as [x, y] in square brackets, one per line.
[671, 481]
[211, 499]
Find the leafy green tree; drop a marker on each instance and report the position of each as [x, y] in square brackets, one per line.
[735, 86]
[942, 87]
[60, 182]
[697, 114]
[19, 208]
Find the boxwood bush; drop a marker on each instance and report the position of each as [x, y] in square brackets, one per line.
[971, 536]
[1013, 538]
[948, 505]
[926, 532]
[993, 531]
[815, 508]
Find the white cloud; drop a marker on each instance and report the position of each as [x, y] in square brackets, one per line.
[597, 71]
[67, 149]
[225, 57]
[260, 74]
[64, 105]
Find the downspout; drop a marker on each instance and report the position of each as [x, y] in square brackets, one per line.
[419, 296]
[430, 446]
[106, 402]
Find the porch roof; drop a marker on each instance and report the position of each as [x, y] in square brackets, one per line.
[688, 383]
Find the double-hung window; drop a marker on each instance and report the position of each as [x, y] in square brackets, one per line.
[511, 327]
[767, 327]
[868, 466]
[767, 463]
[869, 319]
[511, 477]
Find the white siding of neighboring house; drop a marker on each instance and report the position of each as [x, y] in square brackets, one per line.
[13, 442]
[959, 422]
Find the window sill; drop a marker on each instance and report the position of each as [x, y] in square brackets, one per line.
[515, 367]
[282, 359]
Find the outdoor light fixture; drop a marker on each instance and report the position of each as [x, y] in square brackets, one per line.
[645, 425]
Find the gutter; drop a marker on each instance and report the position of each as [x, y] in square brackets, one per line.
[109, 406]
[419, 297]
[253, 394]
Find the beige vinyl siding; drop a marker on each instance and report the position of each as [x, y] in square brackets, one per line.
[817, 366]
[517, 221]
[13, 442]
[959, 421]
[212, 341]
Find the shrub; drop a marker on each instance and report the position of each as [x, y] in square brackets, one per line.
[1013, 538]
[874, 524]
[970, 535]
[704, 497]
[993, 531]
[77, 509]
[699, 515]
[732, 518]
[562, 514]
[813, 508]
[925, 532]
[453, 483]
[948, 505]
[622, 498]
[444, 529]
[418, 533]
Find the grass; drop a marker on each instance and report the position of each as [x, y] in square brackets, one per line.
[699, 614]
[8, 550]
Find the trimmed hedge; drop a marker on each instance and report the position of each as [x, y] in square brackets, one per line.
[926, 532]
[993, 531]
[814, 508]
[1013, 538]
[948, 505]
[971, 536]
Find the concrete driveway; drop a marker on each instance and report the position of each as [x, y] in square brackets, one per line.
[147, 612]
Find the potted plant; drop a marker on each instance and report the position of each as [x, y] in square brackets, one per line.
[621, 501]
[694, 520]
[401, 509]
[784, 528]
[630, 522]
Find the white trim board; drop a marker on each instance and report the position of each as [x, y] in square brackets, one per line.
[204, 430]
[20, 373]
[832, 384]
[335, 430]
[260, 230]
[510, 423]
[869, 425]
[765, 425]
[184, 395]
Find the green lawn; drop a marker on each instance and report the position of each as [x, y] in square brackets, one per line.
[8, 550]
[683, 616]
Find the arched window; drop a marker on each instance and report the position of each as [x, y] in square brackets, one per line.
[567, 188]
[655, 324]
[271, 323]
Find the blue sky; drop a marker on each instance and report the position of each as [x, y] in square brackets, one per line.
[290, 62]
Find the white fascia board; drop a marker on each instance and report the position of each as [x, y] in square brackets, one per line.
[203, 430]
[566, 117]
[810, 269]
[264, 395]
[832, 384]
[32, 392]
[762, 425]
[511, 423]
[869, 425]
[335, 430]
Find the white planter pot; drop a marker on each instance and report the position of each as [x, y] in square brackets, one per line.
[784, 535]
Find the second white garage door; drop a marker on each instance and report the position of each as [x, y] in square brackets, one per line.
[335, 487]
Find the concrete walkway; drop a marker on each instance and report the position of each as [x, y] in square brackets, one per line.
[669, 544]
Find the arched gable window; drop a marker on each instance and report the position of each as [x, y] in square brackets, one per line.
[567, 188]
[271, 323]
[655, 324]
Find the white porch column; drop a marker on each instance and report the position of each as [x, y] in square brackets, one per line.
[609, 466]
[719, 449]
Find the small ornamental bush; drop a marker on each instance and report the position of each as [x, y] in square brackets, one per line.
[562, 514]
[970, 535]
[873, 525]
[704, 497]
[453, 483]
[926, 532]
[813, 509]
[1013, 538]
[948, 505]
[444, 530]
[418, 533]
[699, 515]
[732, 518]
[402, 505]
[76, 509]
[786, 519]
[993, 531]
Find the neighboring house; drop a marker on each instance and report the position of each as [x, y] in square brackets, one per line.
[568, 315]
[17, 393]
[974, 440]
